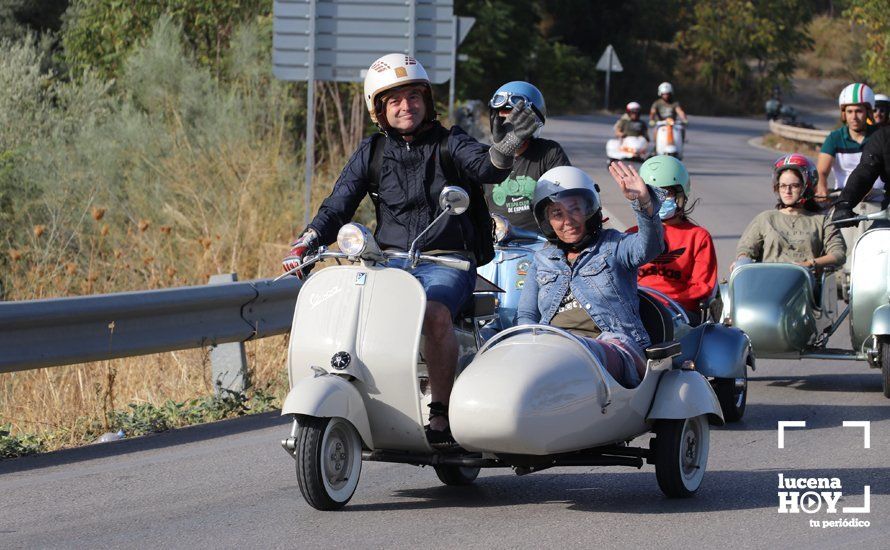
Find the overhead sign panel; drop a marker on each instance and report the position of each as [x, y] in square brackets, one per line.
[348, 35]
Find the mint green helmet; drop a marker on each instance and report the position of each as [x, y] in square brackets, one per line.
[665, 171]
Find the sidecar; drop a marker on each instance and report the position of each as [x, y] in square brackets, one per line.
[781, 308]
[536, 397]
[789, 314]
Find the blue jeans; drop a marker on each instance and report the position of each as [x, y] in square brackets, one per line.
[446, 285]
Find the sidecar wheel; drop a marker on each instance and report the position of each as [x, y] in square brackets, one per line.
[884, 352]
[456, 475]
[681, 455]
[329, 461]
[732, 397]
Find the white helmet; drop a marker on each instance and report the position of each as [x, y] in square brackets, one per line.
[856, 94]
[665, 88]
[562, 183]
[632, 106]
[391, 71]
[881, 98]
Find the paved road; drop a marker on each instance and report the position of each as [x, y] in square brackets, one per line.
[231, 485]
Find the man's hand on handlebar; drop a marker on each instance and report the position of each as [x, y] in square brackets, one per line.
[304, 246]
[842, 211]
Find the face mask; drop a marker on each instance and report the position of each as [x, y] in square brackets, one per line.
[668, 209]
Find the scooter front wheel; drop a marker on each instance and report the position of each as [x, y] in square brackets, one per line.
[681, 455]
[329, 461]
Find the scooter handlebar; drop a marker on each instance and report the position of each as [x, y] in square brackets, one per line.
[450, 261]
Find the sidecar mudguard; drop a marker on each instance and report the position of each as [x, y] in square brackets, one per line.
[718, 351]
[880, 321]
[684, 394]
[328, 396]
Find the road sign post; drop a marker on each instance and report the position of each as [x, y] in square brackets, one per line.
[609, 63]
[462, 26]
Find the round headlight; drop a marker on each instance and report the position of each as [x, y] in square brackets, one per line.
[501, 226]
[351, 240]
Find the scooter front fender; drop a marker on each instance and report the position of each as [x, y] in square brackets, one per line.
[880, 321]
[329, 396]
[685, 394]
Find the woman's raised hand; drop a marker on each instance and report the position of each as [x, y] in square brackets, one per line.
[630, 182]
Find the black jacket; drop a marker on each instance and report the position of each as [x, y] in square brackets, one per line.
[410, 181]
[875, 161]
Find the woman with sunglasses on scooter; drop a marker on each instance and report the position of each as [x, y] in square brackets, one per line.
[795, 231]
[585, 280]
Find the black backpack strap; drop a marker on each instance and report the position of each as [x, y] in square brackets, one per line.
[446, 162]
[374, 168]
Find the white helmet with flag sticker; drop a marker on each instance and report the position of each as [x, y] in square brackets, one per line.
[394, 71]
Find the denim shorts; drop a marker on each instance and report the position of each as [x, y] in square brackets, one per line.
[446, 285]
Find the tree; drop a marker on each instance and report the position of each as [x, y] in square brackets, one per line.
[17, 17]
[744, 48]
[100, 33]
[873, 17]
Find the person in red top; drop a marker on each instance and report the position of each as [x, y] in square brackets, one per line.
[687, 269]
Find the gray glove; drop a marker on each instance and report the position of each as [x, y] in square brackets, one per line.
[510, 132]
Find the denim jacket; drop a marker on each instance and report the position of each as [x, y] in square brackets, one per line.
[603, 279]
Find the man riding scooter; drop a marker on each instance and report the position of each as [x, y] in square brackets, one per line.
[512, 197]
[666, 107]
[409, 175]
[841, 152]
[874, 166]
[630, 125]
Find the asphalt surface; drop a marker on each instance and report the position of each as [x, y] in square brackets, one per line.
[230, 484]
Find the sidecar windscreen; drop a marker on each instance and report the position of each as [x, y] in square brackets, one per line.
[656, 319]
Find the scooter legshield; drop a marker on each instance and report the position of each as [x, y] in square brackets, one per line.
[869, 283]
[365, 322]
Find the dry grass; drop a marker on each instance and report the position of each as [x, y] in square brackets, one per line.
[784, 145]
[172, 179]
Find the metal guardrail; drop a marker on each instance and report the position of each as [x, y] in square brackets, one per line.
[798, 134]
[62, 331]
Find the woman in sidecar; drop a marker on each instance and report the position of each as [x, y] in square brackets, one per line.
[585, 281]
[795, 231]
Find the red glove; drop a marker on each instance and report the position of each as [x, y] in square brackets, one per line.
[304, 246]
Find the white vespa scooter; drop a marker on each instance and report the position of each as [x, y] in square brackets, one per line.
[534, 397]
[628, 148]
[669, 138]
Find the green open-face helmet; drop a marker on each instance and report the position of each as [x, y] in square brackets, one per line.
[665, 171]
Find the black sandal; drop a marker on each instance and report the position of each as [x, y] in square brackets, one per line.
[439, 439]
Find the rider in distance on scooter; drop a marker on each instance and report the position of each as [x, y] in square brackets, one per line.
[630, 125]
[585, 280]
[666, 107]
